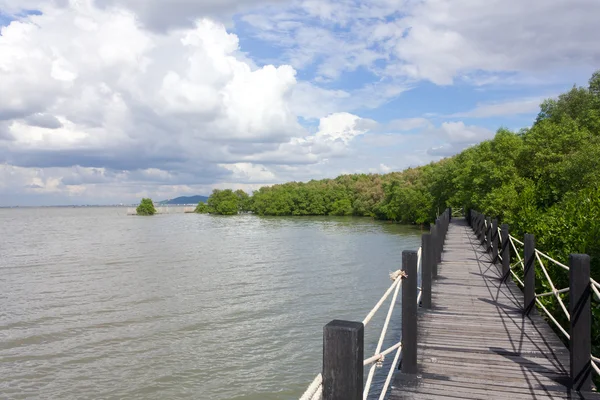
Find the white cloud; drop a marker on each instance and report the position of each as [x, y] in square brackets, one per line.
[340, 126]
[384, 168]
[133, 94]
[437, 40]
[453, 137]
[154, 14]
[511, 107]
[247, 172]
[458, 132]
[446, 39]
[87, 89]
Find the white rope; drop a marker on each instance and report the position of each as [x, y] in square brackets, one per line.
[554, 291]
[390, 374]
[595, 290]
[512, 240]
[563, 266]
[381, 356]
[516, 240]
[516, 277]
[551, 293]
[380, 342]
[594, 361]
[315, 387]
[553, 319]
[380, 302]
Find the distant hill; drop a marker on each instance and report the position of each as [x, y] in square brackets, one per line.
[185, 200]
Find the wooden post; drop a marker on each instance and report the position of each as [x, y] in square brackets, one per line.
[409, 312]
[505, 250]
[427, 262]
[485, 233]
[432, 247]
[488, 235]
[494, 240]
[440, 222]
[445, 225]
[482, 229]
[343, 355]
[529, 281]
[439, 241]
[580, 345]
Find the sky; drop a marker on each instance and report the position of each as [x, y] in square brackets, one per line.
[109, 101]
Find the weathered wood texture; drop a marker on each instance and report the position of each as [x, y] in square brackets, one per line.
[475, 343]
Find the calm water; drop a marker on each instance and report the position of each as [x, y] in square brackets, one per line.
[96, 304]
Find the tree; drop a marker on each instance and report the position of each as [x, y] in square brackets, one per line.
[341, 207]
[594, 84]
[244, 201]
[146, 207]
[223, 202]
[202, 208]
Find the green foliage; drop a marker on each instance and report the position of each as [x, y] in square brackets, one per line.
[146, 207]
[244, 203]
[523, 178]
[202, 208]
[341, 207]
[223, 202]
[543, 180]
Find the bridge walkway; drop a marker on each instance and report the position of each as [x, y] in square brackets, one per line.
[475, 342]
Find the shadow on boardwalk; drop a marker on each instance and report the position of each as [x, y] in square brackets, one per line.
[475, 342]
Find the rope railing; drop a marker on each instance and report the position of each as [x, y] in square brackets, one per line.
[554, 291]
[537, 260]
[315, 389]
[594, 286]
[376, 361]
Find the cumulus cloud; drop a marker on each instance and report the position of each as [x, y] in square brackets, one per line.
[456, 136]
[140, 96]
[436, 40]
[458, 132]
[154, 14]
[512, 107]
[447, 39]
[113, 84]
[90, 90]
[44, 121]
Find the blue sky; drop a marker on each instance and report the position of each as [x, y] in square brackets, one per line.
[107, 101]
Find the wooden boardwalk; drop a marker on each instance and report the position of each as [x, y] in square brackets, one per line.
[475, 342]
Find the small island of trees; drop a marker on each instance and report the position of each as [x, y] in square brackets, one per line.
[225, 202]
[146, 207]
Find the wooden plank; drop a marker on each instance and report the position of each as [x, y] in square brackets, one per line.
[475, 342]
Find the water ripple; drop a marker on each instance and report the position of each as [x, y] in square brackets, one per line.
[95, 304]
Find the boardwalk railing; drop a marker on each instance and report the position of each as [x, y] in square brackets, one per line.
[343, 341]
[504, 247]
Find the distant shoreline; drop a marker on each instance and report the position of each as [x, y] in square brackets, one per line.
[98, 206]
